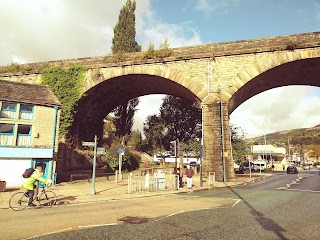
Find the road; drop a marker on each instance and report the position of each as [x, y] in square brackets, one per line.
[279, 207]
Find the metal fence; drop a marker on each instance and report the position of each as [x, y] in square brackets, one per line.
[158, 182]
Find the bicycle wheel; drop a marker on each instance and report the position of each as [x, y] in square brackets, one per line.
[47, 199]
[19, 201]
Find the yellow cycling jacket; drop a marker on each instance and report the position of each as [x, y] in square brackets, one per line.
[28, 183]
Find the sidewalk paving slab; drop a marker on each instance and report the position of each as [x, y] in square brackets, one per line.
[107, 190]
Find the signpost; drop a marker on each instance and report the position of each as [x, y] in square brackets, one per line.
[250, 158]
[93, 144]
[101, 151]
[88, 144]
[121, 153]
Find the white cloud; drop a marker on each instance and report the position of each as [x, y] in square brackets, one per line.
[149, 105]
[43, 30]
[50, 30]
[209, 6]
[156, 31]
[278, 109]
[206, 6]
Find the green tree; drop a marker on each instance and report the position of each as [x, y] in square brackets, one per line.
[131, 160]
[155, 132]
[178, 118]
[124, 118]
[239, 147]
[135, 139]
[182, 118]
[125, 31]
[124, 42]
[314, 151]
[192, 148]
[109, 130]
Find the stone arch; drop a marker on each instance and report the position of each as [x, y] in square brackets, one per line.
[295, 71]
[101, 98]
[157, 70]
[298, 72]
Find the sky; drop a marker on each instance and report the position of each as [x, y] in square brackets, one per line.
[43, 30]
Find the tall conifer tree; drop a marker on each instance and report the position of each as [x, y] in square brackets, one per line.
[124, 42]
[125, 31]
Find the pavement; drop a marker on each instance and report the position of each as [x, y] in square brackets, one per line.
[104, 189]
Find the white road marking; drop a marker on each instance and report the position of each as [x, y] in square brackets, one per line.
[299, 190]
[170, 215]
[239, 200]
[62, 230]
[199, 209]
[99, 225]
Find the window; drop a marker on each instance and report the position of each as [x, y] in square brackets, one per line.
[24, 135]
[8, 110]
[26, 111]
[6, 134]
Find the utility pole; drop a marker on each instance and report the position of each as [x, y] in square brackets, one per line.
[289, 149]
[222, 134]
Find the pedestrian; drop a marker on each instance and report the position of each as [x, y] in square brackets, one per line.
[272, 167]
[189, 174]
[180, 174]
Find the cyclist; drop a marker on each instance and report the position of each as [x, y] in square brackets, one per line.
[29, 183]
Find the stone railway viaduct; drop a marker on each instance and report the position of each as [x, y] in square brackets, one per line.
[231, 72]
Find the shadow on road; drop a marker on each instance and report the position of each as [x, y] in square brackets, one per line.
[267, 223]
[64, 200]
[120, 186]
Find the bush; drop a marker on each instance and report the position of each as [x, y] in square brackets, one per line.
[130, 160]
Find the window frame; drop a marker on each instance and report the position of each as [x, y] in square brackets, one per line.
[24, 135]
[26, 111]
[8, 134]
[3, 110]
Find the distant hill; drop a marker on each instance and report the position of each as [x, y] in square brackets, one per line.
[302, 136]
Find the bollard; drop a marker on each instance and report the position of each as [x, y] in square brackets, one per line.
[116, 176]
[147, 180]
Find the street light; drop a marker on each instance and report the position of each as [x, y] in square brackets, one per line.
[289, 149]
[222, 131]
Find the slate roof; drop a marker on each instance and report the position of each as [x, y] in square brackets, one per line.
[27, 93]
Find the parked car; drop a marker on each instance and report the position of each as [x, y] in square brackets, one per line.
[193, 164]
[306, 167]
[292, 169]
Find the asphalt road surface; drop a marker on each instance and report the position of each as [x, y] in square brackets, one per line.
[278, 207]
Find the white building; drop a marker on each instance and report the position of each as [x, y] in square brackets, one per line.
[29, 124]
[269, 152]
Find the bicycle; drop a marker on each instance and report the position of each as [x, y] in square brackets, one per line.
[19, 201]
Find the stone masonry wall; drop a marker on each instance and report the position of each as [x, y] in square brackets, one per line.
[202, 70]
[44, 126]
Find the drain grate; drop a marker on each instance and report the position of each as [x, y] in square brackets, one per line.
[133, 220]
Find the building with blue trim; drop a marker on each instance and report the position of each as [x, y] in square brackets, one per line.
[29, 125]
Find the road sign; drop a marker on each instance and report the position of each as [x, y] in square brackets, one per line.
[88, 144]
[120, 150]
[101, 150]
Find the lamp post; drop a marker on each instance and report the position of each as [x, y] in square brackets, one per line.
[289, 150]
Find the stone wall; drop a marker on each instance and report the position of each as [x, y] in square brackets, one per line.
[239, 69]
[43, 128]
